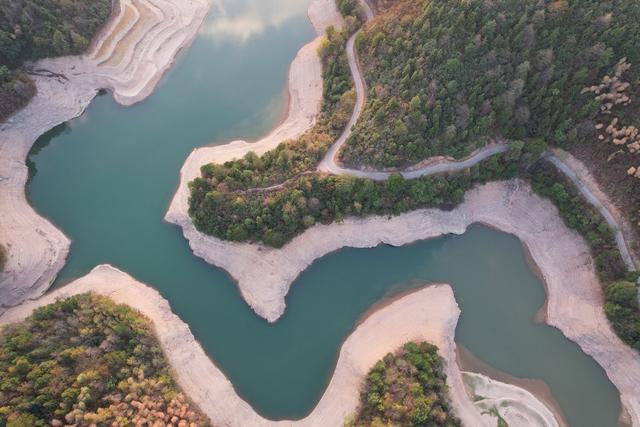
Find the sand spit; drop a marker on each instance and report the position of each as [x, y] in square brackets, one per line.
[430, 314]
[132, 52]
[574, 306]
[305, 98]
[515, 405]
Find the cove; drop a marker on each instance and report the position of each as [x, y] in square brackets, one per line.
[106, 179]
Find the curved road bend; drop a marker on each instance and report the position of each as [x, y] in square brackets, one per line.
[329, 165]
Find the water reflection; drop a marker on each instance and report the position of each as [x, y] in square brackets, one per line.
[249, 19]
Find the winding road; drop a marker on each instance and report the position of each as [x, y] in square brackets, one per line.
[329, 164]
[590, 197]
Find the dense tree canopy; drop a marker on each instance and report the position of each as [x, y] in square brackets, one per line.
[407, 388]
[34, 29]
[444, 76]
[85, 360]
[276, 216]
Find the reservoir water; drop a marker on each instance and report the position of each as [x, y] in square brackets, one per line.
[106, 179]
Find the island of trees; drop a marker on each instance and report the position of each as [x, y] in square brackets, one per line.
[34, 29]
[88, 361]
[406, 388]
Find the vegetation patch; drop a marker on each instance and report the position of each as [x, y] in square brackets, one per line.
[406, 388]
[16, 90]
[3, 257]
[34, 29]
[446, 76]
[274, 217]
[88, 361]
[621, 297]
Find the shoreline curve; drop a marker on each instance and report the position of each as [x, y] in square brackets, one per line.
[428, 314]
[142, 50]
[304, 85]
[574, 294]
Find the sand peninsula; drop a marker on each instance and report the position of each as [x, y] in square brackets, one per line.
[429, 314]
[128, 57]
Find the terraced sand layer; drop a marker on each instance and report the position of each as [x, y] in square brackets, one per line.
[429, 314]
[130, 56]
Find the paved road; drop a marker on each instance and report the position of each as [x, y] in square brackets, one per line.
[328, 163]
[591, 198]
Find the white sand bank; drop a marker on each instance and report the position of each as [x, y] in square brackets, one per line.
[516, 406]
[429, 314]
[141, 43]
[264, 275]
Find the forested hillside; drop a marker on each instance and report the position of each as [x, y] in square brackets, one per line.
[87, 361]
[445, 76]
[34, 29]
[407, 388]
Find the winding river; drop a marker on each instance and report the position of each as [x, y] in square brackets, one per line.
[107, 177]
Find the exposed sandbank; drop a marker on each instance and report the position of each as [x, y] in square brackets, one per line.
[36, 249]
[515, 405]
[468, 362]
[429, 314]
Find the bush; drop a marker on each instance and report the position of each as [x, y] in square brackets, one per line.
[77, 359]
[621, 297]
[3, 257]
[406, 388]
[446, 76]
[279, 215]
[34, 29]
[621, 307]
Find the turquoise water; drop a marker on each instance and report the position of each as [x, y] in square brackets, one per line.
[107, 177]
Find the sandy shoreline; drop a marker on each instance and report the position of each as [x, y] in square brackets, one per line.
[574, 303]
[305, 99]
[429, 314]
[469, 363]
[137, 56]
